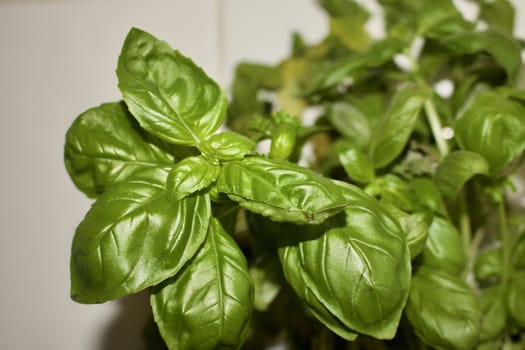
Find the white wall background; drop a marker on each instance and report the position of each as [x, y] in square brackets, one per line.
[57, 58]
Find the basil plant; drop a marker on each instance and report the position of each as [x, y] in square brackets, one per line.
[386, 223]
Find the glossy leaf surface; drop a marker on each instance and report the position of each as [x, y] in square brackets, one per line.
[105, 146]
[443, 310]
[208, 305]
[190, 175]
[127, 243]
[227, 146]
[456, 169]
[494, 127]
[280, 190]
[353, 275]
[398, 123]
[170, 96]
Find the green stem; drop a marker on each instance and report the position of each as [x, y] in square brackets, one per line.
[435, 126]
[505, 243]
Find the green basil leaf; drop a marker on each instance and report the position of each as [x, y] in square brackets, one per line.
[428, 195]
[249, 79]
[353, 275]
[377, 55]
[350, 30]
[105, 145]
[416, 229]
[439, 17]
[494, 127]
[515, 297]
[133, 238]
[398, 123]
[444, 248]
[393, 190]
[280, 190]
[190, 175]
[443, 310]
[208, 305]
[456, 169]
[502, 47]
[267, 280]
[494, 312]
[356, 164]
[350, 122]
[227, 146]
[284, 136]
[170, 96]
[488, 264]
[518, 253]
[498, 14]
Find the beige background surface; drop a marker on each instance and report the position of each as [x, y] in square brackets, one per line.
[57, 58]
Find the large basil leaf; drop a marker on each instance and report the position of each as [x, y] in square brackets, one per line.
[443, 310]
[502, 47]
[456, 169]
[398, 123]
[444, 248]
[170, 96]
[190, 175]
[208, 305]
[280, 190]
[133, 238]
[353, 275]
[494, 127]
[105, 146]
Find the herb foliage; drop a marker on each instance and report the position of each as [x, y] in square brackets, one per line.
[398, 235]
